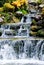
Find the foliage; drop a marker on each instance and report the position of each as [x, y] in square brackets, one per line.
[13, 6]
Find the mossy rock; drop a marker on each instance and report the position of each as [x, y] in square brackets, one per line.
[32, 33]
[33, 22]
[8, 7]
[15, 20]
[35, 28]
[1, 9]
[40, 33]
[11, 33]
[43, 11]
[39, 1]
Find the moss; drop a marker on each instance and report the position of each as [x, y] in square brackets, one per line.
[33, 21]
[39, 1]
[1, 9]
[35, 28]
[40, 33]
[33, 33]
[8, 7]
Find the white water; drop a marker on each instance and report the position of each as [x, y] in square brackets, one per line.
[22, 61]
[7, 52]
[22, 49]
[8, 30]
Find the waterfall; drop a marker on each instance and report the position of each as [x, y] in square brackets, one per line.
[42, 51]
[7, 52]
[21, 29]
[22, 49]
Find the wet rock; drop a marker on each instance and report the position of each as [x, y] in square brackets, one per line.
[32, 11]
[10, 33]
[5, 26]
[1, 32]
[25, 19]
[14, 27]
[19, 14]
[23, 32]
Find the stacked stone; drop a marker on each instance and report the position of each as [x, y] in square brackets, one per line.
[37, 26]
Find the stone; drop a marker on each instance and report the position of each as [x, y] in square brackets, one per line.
[1, 20]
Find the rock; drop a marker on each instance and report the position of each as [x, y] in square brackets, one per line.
[32, 33]
[15, 20]
[35, 28]
[25, 17]
[23, 32]
[19, 14]
[33, 11]
[13, 27]
[42, 5]
[10, 33]
[35, 1]
[2, 17]
[1, 31]
[1, 9]
[36, 17]
[1, 20]
[41, 33]
[8, 6]
[40, 23]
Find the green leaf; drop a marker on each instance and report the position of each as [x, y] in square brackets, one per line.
[24, 12]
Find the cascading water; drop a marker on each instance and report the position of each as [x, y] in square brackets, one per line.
[22, 49]
[16, 30]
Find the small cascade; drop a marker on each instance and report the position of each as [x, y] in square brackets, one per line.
[22, 49]
[21, 29]
[6, 51]
[42, 51]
